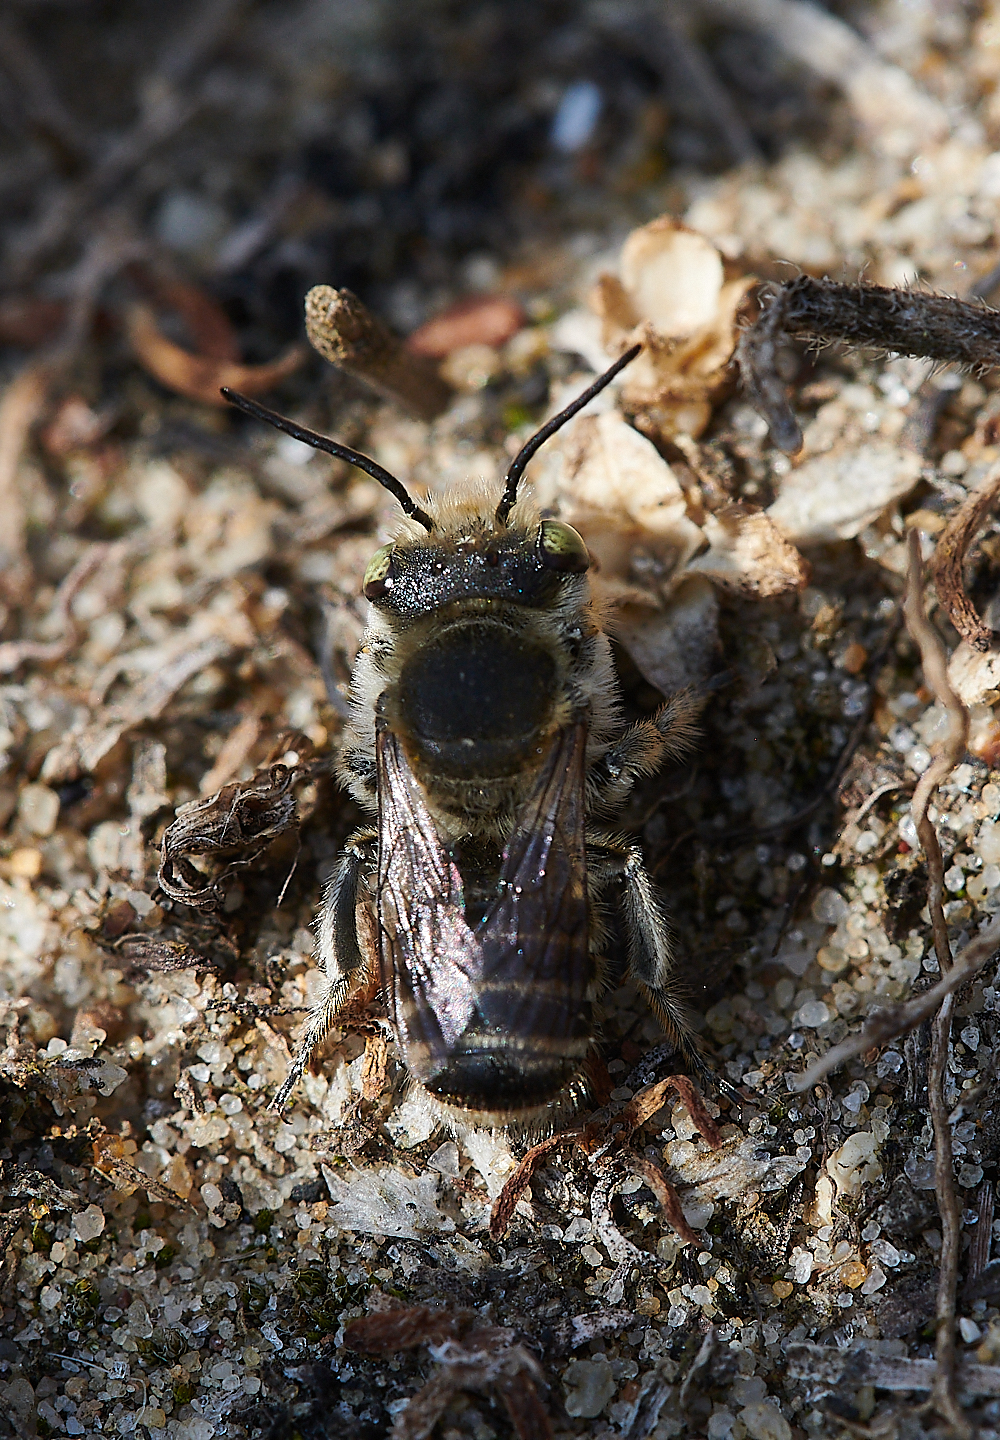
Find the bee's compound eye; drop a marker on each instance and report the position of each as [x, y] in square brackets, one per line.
[378, 577]
[562, 548]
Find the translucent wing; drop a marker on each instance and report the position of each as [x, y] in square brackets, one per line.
[431, 962]
[503, 1008]
[536, 968]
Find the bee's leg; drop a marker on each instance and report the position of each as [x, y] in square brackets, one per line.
[642, 749]
[610, 861]
[357, 769]
[339, 951]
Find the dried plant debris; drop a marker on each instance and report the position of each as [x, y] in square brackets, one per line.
[201, 377]
[239, 823]
[470, 1355]
[901, 322]
[672, 294]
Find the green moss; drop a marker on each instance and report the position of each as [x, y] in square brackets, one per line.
[163, 1257]
[41, 1238]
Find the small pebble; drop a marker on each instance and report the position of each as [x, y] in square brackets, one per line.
[970, 1330]
[765, 1422]
[445, 1159]
[813, 1013]
[25, 863]
[829, 907]
[782, 1288]
[89, 1223]
[854, 1274]
[589, 1385]
[38, 809]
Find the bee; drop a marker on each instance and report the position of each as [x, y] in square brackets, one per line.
[484, 738]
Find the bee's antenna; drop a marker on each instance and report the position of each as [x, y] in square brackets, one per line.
[333, 447]
[520, 461]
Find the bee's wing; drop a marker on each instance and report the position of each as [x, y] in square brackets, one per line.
[520, 980]
[431, 960]
[536, 970]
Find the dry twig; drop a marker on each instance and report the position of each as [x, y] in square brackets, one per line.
[16, 652]
[896, 1020]
[352, 338]
[846, 1370]
[935, 666]
[22, 404]
[876, 317]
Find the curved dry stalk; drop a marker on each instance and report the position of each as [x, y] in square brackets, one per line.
[934, 661]
[949, 557]
[22, 404]
[938, 1001]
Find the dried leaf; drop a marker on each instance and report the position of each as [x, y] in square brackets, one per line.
[677, 645]
[390, 1330]
[210, 327]
[373, 1067]
[672, 294]
[518, 1181]
[110, 1162]
[620, 493]
[672, 277]
[239, 822]
[149, 953]
[974, 673]
[201, 377]
[482, 320]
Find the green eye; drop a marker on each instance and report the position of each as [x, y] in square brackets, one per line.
[562, 548]
[378, 577]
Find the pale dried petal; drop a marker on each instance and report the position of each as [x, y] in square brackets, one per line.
[973, 674]
[834, 496]
[610, 468]
[672, 276]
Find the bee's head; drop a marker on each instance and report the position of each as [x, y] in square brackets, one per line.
[494, 553]
[469, 557]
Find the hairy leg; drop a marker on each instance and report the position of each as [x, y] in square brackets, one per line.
[614, 862]
[671, 732]
[340, 954]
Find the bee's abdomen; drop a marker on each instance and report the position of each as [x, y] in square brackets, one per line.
[490, 1081]
[520, 1064]
[474, 701]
